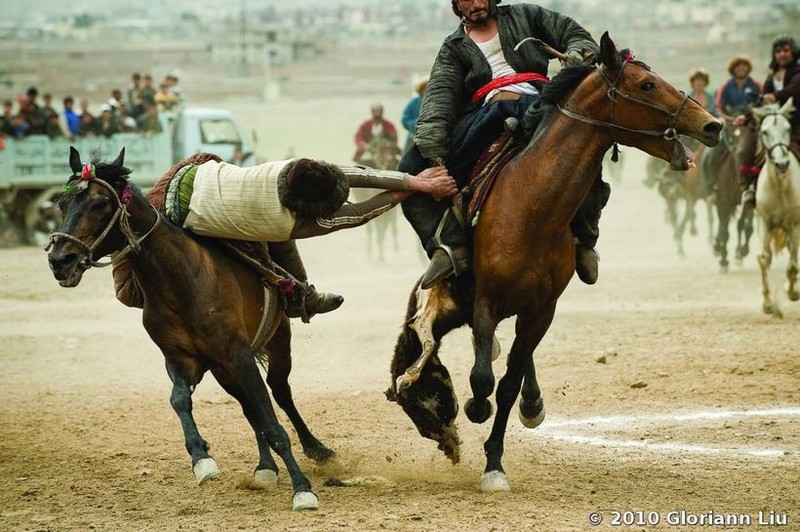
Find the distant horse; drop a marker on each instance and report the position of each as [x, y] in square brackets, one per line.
[382, 154]
[206, 311]
[524, 250]
[778, 199]
[680, 188]
[721, 164]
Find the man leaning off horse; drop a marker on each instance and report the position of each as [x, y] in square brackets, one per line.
[478, 80]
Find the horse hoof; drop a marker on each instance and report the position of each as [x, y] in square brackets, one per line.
[794, 296]
[531, 421]
[494, 481]
[478, 413]
[265, 478]
[205, 469]
[304, 500]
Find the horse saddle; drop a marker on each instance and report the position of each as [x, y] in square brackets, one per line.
[485, 173]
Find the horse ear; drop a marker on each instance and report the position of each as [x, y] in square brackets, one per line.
[608, 52]
[75, 161]
[788, 107]
[120, 160]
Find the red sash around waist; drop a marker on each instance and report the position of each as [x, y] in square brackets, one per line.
[504, 81]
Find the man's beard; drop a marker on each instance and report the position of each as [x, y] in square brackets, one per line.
[478, 17]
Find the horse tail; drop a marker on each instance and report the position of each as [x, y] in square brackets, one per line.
[158, 194]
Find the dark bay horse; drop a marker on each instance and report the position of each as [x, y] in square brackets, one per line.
[720, 164]
[206, 311]
[524, 251]
[680, 189]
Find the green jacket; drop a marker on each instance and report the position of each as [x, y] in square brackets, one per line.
[461, 68]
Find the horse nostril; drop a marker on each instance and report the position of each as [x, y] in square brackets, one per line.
[60, 262]
[713, 127]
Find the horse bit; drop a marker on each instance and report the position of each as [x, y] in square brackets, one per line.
[670, 133]
[122, 215]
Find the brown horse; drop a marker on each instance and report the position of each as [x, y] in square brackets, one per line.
[206, 311]
[680, 188]
[524, 251]
[720, 164]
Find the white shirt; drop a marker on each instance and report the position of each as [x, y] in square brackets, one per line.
[493, 52]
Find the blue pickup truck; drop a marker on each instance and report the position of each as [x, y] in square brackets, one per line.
[32, 169]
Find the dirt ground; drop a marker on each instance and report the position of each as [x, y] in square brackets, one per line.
[711, 425]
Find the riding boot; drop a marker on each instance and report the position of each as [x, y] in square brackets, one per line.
[586, 228]
[445, 263]
[287, 256]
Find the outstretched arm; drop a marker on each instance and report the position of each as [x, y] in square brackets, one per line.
[434, 181]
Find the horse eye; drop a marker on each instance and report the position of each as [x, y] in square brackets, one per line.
[648, 86]
[101, 204]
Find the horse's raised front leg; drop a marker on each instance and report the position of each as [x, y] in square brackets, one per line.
[185, 374]
[530, 329]
[266, 472]
[791, 270]
[245, 372]
[481, 379]
[280, 365]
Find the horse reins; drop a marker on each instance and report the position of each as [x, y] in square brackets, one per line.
[670, 133]
[120, 215]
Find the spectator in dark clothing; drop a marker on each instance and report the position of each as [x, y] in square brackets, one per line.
[53, 129]
[88, 121]
[71, 118]
[135, 101]
[5, 120]
[33, 113]
[19, 127]
[127, 123]
[148, 91]
[149, 123]
[47, 108]
[107, 124]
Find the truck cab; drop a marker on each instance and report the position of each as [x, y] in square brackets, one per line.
[210, 130]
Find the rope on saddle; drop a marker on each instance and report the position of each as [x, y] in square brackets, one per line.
[485, 173]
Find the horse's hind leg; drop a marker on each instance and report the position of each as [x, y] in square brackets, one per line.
[530, 329]
[721, 245]
[764, 262]
[185, 373]
[245, 372]
[280, 365]
[266, 472]
[744, 230]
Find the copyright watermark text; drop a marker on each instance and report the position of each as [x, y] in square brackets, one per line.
[685, 518]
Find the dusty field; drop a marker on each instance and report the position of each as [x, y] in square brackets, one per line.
[89, 440]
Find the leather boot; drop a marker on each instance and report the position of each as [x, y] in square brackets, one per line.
[586, 263]
[441, 266]
[287, 256]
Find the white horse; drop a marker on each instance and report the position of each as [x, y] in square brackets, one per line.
[778, 198]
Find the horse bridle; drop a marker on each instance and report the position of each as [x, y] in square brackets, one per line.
[120, 215]
[783, 145]
[613, 92]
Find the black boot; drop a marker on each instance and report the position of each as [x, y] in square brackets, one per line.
[442, 265]
[586, 263]
[287, 256]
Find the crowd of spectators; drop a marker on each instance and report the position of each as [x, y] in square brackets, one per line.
[136, 111]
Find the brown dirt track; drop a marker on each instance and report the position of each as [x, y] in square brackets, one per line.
[89, 439]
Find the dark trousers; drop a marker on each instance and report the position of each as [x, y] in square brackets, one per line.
[472, 135]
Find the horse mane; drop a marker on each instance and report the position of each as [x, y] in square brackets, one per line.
[570, 77]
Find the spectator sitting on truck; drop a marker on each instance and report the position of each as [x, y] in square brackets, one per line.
[53, 128]
[149, 123]
[107, 124]
[33, 113]
[115, 101]
[18, 127]
[47, 108]
[5, 120]
[88, 121]
[172, 82]
[71, 118]
[135, 102]
[126, 122]
[166, 100]
[148, 91]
